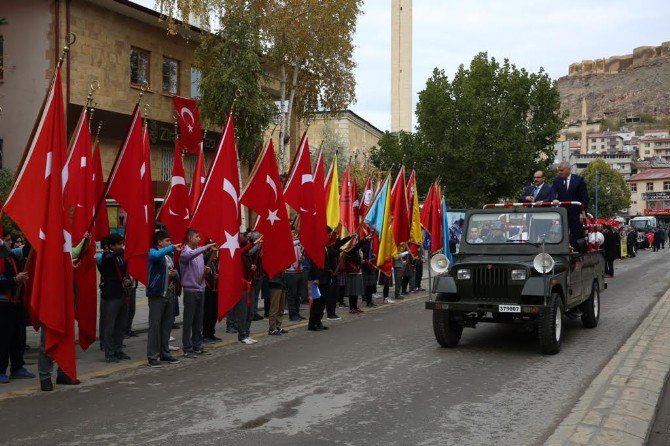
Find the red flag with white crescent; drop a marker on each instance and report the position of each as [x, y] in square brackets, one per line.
[37, 206]
[218, 217]
[188, 118]
[175, 213]
[265, 196]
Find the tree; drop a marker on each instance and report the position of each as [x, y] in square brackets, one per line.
[395, 149]
[613, 192]
[307, 45]
[6, 183]
[484, 132]
[232, 72]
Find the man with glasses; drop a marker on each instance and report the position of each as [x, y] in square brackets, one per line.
[538, 191]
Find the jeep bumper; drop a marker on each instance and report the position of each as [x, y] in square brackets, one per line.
[469, 307]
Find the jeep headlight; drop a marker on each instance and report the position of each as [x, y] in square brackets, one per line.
[518, 274]
[463, 274]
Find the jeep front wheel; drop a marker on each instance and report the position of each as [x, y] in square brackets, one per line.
[447, 332]
[550, 326]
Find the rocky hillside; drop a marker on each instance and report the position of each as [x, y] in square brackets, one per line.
[643, 88]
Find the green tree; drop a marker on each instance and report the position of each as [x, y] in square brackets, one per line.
[6, 182]
[484, 132]
[232, 71]
[307, 45]
[613, 192]
[395, 149]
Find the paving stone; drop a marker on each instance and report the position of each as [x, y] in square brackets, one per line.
[630, 425]
[611, 437]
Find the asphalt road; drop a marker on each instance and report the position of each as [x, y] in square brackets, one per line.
[379, 378]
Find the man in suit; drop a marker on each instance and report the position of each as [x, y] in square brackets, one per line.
[570, 187]
[538, 191]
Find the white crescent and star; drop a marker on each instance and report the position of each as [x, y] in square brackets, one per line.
[186, 111]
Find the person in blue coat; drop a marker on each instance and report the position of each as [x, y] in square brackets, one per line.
[161, 293]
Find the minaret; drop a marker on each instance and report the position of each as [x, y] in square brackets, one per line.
[401, 65]
[583, 121]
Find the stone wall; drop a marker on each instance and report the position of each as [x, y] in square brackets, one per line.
[617, 64]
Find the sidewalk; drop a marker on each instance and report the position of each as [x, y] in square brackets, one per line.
[91, 363]
[619, 406]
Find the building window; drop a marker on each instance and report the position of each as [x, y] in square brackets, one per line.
[602, 146]
[593, 140]
[647, 152]
[167, 159]
[139, 66]
[170, 75]
[2, 58]
[650, 187]
[633, 187]
[196, 75]
[666, 185]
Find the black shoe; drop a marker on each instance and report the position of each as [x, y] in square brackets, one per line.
[314, 328]
[66, 380]
[258, 317]
[231, 330]
[111, 359]
[266, 315]
[131, 334]
[190, 355]
[275, 332]
[155, 363]
[207, 340]
[175, 326]
[323, 327]
[282, 331]
[295, 318]
[170, 359]
[216, 339]
[46, 385]
[200, 351]
[122, 355]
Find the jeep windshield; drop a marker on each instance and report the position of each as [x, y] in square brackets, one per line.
[640, 225]
[514, 227]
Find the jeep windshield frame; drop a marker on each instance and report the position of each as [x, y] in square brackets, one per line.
[541, 221]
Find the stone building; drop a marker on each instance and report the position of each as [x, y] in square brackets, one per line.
[346, 130]
[621, 162]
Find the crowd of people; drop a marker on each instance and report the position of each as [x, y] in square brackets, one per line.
[183, 277]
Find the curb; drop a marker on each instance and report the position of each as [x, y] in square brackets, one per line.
[130, 365]
[619, 406]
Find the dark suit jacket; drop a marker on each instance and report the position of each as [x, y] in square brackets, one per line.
[545, 193]
[576, 192]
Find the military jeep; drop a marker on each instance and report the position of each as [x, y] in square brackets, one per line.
[516, 265]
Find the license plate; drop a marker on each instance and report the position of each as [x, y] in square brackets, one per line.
[509, 308]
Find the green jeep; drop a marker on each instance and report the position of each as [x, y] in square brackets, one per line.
[516, 265]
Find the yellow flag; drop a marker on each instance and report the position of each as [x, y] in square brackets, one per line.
[415, 235]
[387, 246]
[333, 196]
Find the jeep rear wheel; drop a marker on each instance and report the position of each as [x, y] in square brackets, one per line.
[550, 326]
[447, 332]
[591, 308]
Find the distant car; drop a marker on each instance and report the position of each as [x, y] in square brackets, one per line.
[521, 270]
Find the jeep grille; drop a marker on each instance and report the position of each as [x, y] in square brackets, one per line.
[490, 282]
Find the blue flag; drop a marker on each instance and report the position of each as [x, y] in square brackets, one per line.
[445, 232]
[375, 216]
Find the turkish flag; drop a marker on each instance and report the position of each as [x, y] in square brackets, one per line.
[130, 186]
[101, 224]
[265, 196]
[300, 194]
[36, 205]
[320, 217]
[175, 213]
[198, 180]
[399, 211]
[218, 217]
[188, 118]
[81, 201]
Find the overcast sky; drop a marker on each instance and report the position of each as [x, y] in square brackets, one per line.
[531, 33]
